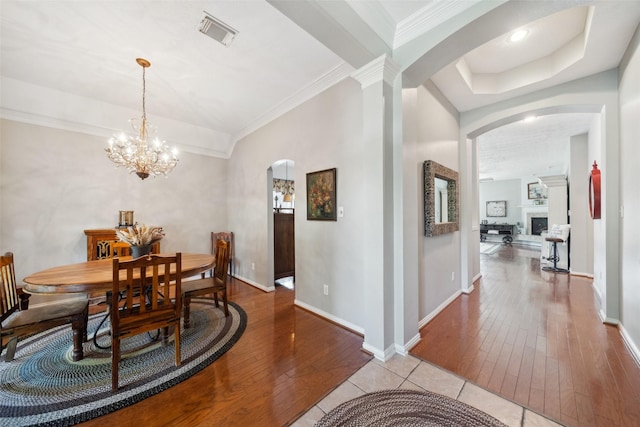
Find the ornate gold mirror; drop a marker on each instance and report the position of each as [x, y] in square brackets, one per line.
[440, 199]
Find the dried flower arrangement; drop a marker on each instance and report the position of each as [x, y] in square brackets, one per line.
[140, 234]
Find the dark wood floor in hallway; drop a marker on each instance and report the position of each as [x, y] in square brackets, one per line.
[286, 361]
[535, 338]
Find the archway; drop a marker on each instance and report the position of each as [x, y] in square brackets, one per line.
[603, 131]
[282, 201]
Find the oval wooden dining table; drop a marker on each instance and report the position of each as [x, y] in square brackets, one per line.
[96, 276]
[93, 277]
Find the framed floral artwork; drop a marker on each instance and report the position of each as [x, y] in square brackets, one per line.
[321, 195]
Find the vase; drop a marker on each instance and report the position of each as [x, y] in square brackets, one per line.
[138, 251]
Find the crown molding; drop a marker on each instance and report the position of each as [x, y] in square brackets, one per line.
[37, 105]
[329, 79]
[427, 18]
[380, 69]
[553, 180]
[87, 129]
[377, 17]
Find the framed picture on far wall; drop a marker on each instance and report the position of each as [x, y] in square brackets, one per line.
[497, 208]
[321, 195]
[535, 191]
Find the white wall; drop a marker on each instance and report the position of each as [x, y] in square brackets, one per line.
[630, 196]
[506, 190]
[56, 183]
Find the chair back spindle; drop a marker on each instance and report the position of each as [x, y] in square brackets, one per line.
[9, 300]
[17, 320]
[227, 236]
[216, 284]
[152, 299]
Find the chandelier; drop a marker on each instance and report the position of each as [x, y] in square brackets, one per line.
[136, 152]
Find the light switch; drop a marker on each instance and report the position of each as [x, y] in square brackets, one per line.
[340, 212]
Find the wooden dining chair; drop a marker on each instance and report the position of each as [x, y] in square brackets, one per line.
[217, 284]
[18, 320]
[120, 249]
[148, 302]
[227, 236]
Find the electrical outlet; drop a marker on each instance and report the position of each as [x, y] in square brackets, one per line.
[326, 289]
[253, 265]
[453, 276]
[340, 212]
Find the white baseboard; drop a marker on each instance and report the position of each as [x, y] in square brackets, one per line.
[255, 284]
[404, 349]
[600, 310]
[578, 273]
[331, 317]
[476, 278]
[630, 344]
[380, 354]
[608, 320]
[441, 307]
[598, 295]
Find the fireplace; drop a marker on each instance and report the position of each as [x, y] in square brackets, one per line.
[538, 225]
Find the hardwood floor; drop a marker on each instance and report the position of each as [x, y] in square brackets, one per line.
[286, 361]
[535, 338]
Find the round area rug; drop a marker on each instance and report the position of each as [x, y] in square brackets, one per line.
[43, 386]
[406, 408]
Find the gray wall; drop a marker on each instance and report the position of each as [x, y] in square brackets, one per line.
[323, 133]
[439, 256]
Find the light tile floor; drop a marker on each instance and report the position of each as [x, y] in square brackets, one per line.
[412, 373]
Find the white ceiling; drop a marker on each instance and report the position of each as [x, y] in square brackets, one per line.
[530, 149]
[206, 96]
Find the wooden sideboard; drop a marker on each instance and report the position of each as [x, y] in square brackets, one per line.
[284, 262]
[99, 243]
[503, 230]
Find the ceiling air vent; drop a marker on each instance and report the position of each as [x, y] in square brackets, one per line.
[216, 29]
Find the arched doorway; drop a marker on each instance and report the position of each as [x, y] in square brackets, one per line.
[283, 202]
[538, 184]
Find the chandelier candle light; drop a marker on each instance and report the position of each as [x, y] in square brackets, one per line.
[135, 152]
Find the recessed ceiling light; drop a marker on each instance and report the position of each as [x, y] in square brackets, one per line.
[516, 36]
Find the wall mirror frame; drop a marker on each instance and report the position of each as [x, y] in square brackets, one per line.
[433, 227]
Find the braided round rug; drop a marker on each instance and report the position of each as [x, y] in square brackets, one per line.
[406, 408]
[43, 386]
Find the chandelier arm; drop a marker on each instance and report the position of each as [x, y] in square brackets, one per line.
[134, 153]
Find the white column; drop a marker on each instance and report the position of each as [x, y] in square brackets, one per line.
[377, 80]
